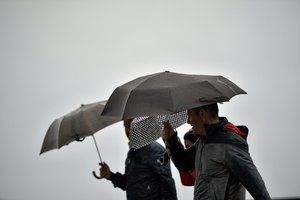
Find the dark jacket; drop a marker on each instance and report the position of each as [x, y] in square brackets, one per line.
[222, 162]
[147, 174]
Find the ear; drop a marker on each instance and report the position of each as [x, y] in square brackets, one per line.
[203, 114]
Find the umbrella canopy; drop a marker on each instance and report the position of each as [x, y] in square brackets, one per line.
[76, 125]
[167, 93]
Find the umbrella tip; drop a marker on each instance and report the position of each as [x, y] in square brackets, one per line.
[79, 139]
[167, 71]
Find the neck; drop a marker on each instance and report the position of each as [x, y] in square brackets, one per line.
[201, 132]
[214, 120]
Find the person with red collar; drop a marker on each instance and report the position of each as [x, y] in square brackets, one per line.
[221, 158]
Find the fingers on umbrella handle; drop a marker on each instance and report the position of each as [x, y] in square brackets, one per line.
[168, 129]
[96, 176]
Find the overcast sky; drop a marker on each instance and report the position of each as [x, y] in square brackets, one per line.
[56, 55]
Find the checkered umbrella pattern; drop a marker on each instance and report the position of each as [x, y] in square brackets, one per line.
[145, 130]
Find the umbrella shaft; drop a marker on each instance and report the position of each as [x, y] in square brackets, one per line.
[97, 149]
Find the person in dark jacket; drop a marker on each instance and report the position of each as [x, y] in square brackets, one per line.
[189, 138]
[188, 177]
[224, 167]
[147, 173]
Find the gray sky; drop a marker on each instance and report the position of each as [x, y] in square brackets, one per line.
[56, 55]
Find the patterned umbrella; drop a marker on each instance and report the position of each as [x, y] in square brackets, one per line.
[145, 130]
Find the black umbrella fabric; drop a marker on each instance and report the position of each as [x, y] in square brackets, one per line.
[168, 93]
[76, 125]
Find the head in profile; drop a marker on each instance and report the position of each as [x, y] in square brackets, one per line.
[200, 116]
[189, 138]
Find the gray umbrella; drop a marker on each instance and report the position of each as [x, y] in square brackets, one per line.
[167, 93]
[76, 125]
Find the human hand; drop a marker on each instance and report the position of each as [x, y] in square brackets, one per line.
[168, 130]
[104, 171]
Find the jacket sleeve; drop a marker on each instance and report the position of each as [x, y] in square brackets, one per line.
[118, 180]
[241, 165]
[168, 189]
[160, 165]
[183, 159]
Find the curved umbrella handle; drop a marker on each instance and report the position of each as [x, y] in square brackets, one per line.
[95, 175]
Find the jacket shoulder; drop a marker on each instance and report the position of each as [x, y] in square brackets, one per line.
[230, 137]
[152, 148]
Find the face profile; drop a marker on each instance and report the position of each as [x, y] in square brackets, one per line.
[127, 125]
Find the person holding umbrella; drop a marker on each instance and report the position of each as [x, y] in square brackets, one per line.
[147, 172]
[189, 138]
[224, 167]
[188, 177]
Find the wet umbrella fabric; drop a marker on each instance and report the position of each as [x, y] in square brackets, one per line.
[86, 120]
[76, 125]
[168, 93]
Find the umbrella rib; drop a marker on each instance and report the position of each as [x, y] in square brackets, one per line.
[147, 78]
[212, 85]
[224, 83]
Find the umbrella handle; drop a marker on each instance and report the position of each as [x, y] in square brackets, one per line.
[96, 176]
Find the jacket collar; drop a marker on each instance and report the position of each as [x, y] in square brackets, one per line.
[212, 128]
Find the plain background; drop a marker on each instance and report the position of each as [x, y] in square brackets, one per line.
[56, 55]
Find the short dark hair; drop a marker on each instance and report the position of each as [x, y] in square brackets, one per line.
[212, 109]
[190, 136]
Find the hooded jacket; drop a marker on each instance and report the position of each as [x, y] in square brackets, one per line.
[223, 165]
[147, 174]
